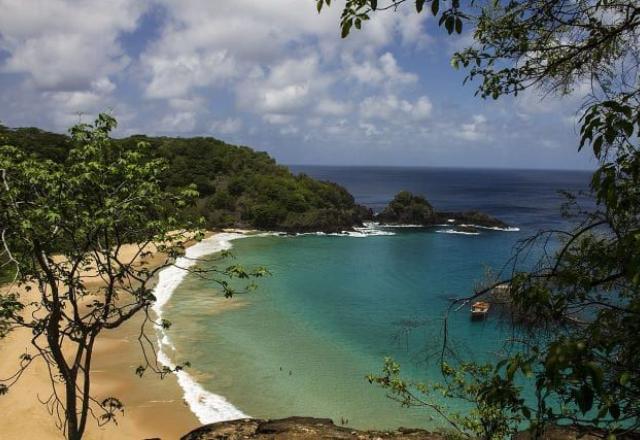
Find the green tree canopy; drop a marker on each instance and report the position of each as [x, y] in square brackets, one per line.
[63, 228]
[237, 186]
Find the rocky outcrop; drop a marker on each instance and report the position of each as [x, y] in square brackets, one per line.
[299, 428]
[409, 209]
[471, 218]
[309, 428]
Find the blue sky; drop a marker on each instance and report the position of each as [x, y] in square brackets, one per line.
[275, 76]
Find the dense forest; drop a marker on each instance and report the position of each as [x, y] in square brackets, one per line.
[238, 187]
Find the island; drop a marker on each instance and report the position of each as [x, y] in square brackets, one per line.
[410, 209]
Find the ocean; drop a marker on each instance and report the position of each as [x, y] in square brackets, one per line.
[337, 305]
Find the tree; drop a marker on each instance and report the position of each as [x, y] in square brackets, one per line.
[580, 352]
[65, 228]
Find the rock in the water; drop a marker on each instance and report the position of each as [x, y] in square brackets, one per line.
[409, 209]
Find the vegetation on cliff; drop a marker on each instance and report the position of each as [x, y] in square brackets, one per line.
[237, 186]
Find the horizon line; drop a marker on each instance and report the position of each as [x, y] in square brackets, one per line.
[467, 167]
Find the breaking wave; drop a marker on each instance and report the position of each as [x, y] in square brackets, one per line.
[208, 407]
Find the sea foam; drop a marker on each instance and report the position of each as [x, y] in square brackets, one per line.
[453, 231]
[208, 407]
[366, 230]
[493, 228]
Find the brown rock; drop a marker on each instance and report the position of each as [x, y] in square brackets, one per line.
[298, 428]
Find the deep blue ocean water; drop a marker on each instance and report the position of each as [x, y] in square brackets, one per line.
[526, 198]
[337, 305]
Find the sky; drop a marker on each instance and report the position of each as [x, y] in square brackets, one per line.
[274, 75]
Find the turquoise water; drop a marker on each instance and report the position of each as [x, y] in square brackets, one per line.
[333, 309]
[335, 306]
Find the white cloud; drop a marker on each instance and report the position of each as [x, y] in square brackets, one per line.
[274, 118]
[286, 88]
[392, 109]
[537, 101]
[328, 106]
[226, 126]
[269, 73]
[187, 104]
[475, 130]
[381, 71]
[175, 77]
[66, 45]
[369, 129]
[180, 122]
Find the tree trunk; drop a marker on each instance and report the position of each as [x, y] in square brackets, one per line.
[73, 432]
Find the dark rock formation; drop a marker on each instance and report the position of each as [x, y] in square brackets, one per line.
[472, 218]
[299, 428]
[409, 209]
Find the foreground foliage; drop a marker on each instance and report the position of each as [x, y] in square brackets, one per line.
[64, 227]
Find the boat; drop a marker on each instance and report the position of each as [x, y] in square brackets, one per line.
[479, 309]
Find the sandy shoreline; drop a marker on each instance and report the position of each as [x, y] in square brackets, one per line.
[154, 408]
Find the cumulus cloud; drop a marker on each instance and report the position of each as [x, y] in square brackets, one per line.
[279, 59]
[267, 73]
[390, 108]
[383, 70]
[226, 126]
[474, 130]
[175, 77]
[287, 87]
[66, 45]
[329, 106]
[180, 122]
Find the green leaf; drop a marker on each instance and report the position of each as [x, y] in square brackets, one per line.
[584, 398]
[614, 410]
[458, 25]
[624, 378]
[346, 27]
[374, 4]
[449, 23]
[597, 146]
[435, 7]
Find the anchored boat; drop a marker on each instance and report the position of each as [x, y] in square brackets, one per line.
[479, 309]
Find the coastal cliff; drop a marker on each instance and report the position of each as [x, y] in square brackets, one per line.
[238, 186]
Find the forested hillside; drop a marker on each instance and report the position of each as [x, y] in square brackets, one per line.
[238, 186]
